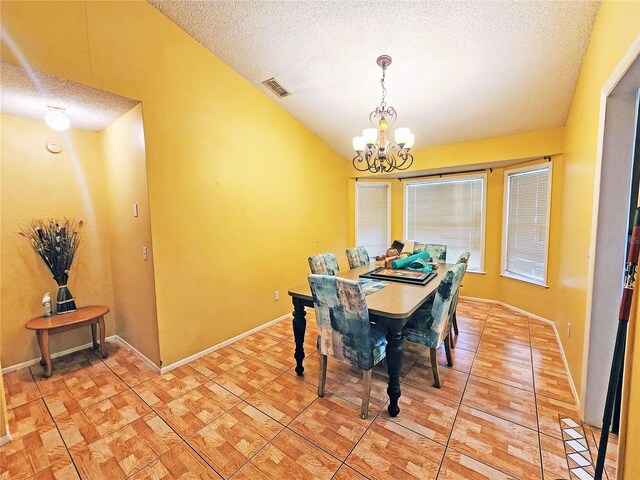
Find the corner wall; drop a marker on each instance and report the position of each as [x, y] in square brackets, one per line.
[125, 178]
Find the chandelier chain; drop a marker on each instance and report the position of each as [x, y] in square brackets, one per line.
[383, 103]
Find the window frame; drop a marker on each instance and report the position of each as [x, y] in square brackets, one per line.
[448, 178]
[505, 224]
[388, 185]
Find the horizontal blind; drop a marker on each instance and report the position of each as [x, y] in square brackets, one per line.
[450, 212]
[372, 217]
[527, 223]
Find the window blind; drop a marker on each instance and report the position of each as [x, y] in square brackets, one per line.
[450, 212]
[372, 217]
[527, 223]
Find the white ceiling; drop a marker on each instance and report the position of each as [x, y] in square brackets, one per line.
[461, 70]
[28, 93]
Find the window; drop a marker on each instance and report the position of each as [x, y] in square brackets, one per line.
[525, 240]
[373, 229]
[449, 211]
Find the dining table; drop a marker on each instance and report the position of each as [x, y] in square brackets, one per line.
[391, 307]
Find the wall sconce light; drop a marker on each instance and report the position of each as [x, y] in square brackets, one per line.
[56, 119]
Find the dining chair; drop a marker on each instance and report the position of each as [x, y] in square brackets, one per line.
[464, 259]
[324, 264]
[437, 251]
[432, 328]
[358, 257]
[344, 330]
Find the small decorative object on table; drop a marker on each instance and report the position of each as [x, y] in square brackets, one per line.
[56, 242]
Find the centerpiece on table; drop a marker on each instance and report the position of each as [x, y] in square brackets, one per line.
[56, 242]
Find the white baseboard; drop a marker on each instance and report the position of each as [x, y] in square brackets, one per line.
[206, 351]
[138, 353]
[7, 438]
[35, 361]
[542, 319]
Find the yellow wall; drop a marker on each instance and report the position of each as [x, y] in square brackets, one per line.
[240, 193]
[35, 184]
[616, 27]
[133, 280]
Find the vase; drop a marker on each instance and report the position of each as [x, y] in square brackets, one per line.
[64, 302]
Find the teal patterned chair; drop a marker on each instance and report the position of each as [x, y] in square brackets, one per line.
[357, 256]
[344, 330]
[437, 251]
[431, 328]
[463, 258]
[324, 264]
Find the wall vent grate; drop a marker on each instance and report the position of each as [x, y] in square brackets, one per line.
[276, 88]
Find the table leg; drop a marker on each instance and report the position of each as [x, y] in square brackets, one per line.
[394, 364]
[94, 337]
[299, 324]
[43, 341]
[103, 352]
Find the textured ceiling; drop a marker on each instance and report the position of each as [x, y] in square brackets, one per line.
[461, 70]
[27, 94]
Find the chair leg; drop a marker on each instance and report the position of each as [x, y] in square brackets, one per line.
[447, 349]
[323, 375]
[451, 342]
[434, 367]
[366, 393]
[455, 322]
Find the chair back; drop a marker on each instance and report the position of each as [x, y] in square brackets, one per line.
[357, 257]
[437, 251]
[462, 260]
[324, 264]
[344, 331]
[445, 295]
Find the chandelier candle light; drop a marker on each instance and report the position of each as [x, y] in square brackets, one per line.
[374, 151]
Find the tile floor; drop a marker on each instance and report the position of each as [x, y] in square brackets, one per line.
[241, 412]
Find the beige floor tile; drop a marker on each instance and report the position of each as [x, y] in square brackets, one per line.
[548, 360]
[425, 413]
[36, 444]
[390, 451]
[554, 460]
[333, 424]
[62, 470]
[548, 411]
[462, 359]
[255, 343]
[199, 407]
[553, 384]
[504, 401]
[504, 445]
[169, 386]
[20, 388]
[131, 369]
[496, 330]
[284, 398]
[279, 356]
[503, 371]
[289, 456]
[125, 451]
[506, 351]
[82, 395]
[593, 438]
[350, 387]
[544, 342]
[469, 323]
[452, 382]
[248, 377]
[233, 438]
[467, 341]
[282, 329]
[179, 463]
[218, 362]
[347, 473]
[457, 466]
[96, 421]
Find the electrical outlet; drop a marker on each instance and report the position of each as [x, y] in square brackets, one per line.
[135, 209]
[568, 330]
[276, 295]
[145, 253]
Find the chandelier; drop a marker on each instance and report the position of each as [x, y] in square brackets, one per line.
[375, 152]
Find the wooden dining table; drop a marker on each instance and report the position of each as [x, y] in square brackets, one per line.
[390, 307]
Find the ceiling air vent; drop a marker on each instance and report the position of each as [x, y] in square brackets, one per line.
[276, 88]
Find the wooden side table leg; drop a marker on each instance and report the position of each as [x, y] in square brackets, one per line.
[103, 352]
[94, 337]
[43, 362]
[44, 345]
